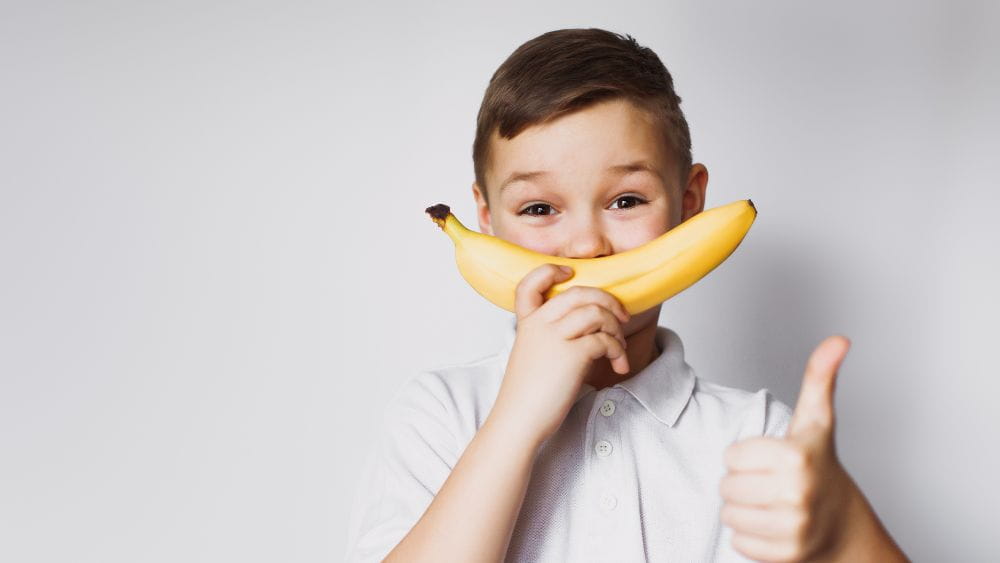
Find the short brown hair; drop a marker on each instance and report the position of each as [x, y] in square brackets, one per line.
[565, 70]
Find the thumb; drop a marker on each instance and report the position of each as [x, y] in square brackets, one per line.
[814, 409]
[531, 292]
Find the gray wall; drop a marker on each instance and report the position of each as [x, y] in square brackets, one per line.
[216, 267]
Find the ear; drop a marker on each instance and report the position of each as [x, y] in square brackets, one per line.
[482, 210]
[693, 197]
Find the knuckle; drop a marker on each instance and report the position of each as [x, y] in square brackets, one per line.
[585, 344]
[610, 342]
[607, 346]
[799, 524]
[797, 458]
[611, 299]
[549, 268]
[521, 285]
[595, 345]
[535, 276]
[524, 286]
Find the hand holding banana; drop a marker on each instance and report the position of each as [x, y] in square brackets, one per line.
[640, 278]
[557, 340]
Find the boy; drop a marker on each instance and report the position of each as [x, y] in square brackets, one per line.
[587, 437]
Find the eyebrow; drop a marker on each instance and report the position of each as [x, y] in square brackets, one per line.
[618, 169]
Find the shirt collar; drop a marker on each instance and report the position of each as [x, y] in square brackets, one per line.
[663, 387]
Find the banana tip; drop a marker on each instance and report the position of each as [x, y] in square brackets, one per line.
[750, 201]
[438, 213]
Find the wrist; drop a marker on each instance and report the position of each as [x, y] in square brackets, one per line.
[513, 430]
[863, 536]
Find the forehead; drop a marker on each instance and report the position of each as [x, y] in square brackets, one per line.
[590, 140]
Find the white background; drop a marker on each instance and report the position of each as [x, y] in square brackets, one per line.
[215, 267]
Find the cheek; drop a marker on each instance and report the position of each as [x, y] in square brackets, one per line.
[538, 243]
[537, 240]
[643, 234]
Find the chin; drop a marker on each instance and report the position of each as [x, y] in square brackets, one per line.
[642, 320]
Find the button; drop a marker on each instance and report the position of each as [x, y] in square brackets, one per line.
[608, 408]
[609, 501]
[603, 448]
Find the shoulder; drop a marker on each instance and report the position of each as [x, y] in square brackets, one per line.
[457, 395]
[748, 413]
[424, 429]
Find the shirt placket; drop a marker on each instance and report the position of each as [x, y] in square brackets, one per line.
[608, 501]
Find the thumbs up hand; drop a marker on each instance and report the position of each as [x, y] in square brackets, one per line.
[790, 499]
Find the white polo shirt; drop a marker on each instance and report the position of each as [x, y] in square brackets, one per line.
[632, 474]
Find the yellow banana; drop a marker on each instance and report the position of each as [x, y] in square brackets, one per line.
[641, 277]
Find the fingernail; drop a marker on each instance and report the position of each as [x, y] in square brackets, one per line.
[566, 269]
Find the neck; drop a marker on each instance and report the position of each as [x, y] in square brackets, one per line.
[641, 352]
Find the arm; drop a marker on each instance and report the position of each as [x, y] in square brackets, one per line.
[789, 498]
[866, 539]
[473, 514]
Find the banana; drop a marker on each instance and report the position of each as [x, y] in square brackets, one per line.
[640, 278]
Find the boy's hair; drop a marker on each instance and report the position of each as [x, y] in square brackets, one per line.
[566, 70]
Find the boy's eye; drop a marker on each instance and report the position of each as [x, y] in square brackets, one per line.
[526, 210]
[638, 199]
[534, 206]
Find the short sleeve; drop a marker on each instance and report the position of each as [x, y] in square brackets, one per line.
[766, 416]
[413, 455]
[763, 415]
[777, 416]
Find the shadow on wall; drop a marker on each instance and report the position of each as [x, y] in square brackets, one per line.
[759, 331]
[796, 294]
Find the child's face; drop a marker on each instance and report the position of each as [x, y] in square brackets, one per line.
[581, 205]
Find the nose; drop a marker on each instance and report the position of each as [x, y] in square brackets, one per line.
[587, 240]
